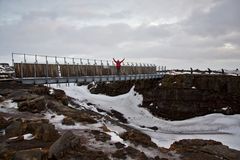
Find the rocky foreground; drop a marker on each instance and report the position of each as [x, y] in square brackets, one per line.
[28, 117]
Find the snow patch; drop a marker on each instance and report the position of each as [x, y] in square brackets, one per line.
[219, 127]
[225, 108]
[12, 138]
[115, 138]
[28, 136]
[115, 128]
[51, 91]
[8, 106]
[2, 132]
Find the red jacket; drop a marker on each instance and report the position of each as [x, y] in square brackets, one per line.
[118, 63]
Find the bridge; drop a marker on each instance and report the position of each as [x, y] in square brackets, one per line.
[42, 69]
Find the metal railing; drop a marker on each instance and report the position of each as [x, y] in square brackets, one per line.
[39, 69]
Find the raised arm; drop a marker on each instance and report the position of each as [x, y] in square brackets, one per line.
[122, 60]
[114, 60]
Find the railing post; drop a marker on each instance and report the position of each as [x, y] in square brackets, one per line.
[81, 66]
[101, 71]
[12, 60]
[87, 67]
[35, 69]
[24, 57]
[21, 70]
[74, 72]
[14, 74]
[46, 70]
[95, 67]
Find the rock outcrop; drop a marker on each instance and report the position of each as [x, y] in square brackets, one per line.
[31, 154]
[33, 105]
[204, 149]
[178, 97]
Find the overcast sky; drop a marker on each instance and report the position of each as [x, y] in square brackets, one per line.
[175, 33]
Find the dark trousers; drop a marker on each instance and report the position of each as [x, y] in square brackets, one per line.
[118, 71]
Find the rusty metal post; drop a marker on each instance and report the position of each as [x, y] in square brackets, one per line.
[46, 70]
[35, 68]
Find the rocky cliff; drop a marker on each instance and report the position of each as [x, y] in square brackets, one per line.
[178, 97]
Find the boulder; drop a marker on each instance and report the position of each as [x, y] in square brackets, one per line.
[60, 96]
[68, 141]
[198, 149]
[119, 145]
[70, 146]
[124, 153]
[68, 121]
[82, 117]
[31, 154]
[138, 138]
[3, 123]
[101, 136]
[119, 116]
[15, 128]
[34, 106]
[5, 153]
[46, 132]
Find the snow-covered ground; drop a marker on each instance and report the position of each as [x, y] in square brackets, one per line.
[225, 129]
[217, 72]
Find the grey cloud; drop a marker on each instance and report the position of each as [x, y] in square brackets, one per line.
[175, 33]
[221, 19]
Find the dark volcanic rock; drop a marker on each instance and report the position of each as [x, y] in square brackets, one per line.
[31, 154]
[66, 142]
[15, 128]
[178, 97]
[79, 116]
[204, 149]
[101, 136]
[138, 138]
[18, 148]
[46, 132]
[3, 123]
[129, 152]
[68, 121]
[119, 145]
[41, 129]
[119, 116]
[35, 105]
[60, 96]
[70, 146]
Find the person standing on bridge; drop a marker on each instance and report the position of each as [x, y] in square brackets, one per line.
[118, 65]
